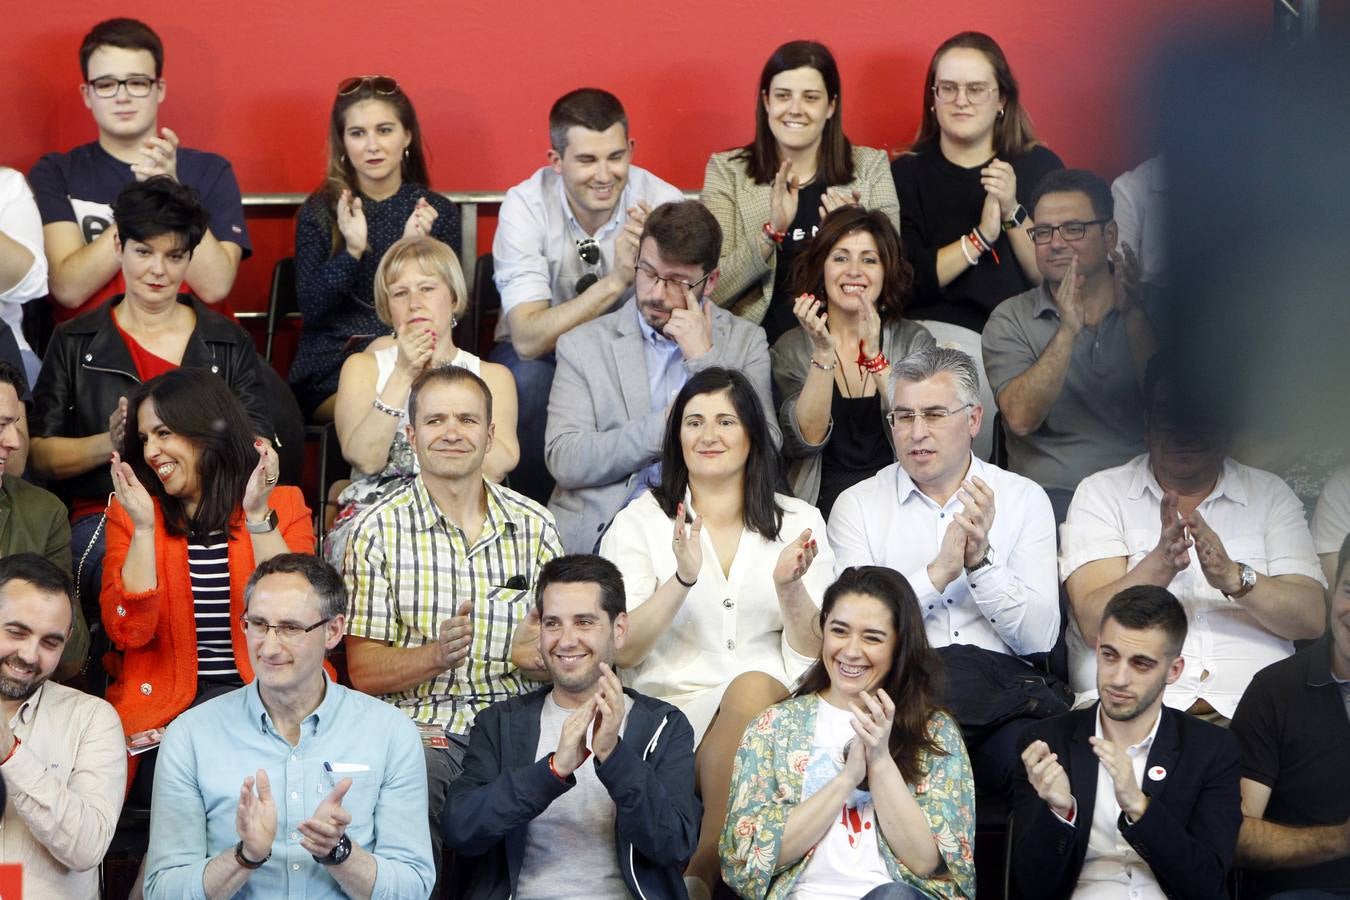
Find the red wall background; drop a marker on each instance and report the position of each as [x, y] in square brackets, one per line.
[253, 79]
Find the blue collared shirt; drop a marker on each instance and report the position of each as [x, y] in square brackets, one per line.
[666, 374]
[209, 750]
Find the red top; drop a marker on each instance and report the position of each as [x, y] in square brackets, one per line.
[147, 364]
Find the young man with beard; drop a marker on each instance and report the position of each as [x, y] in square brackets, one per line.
[62, 754]
[1128, 797]
[581, 790]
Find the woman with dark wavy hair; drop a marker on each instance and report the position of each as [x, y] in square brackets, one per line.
[197, 507]
[770, 195]
[375, 192]
[962, 182]
[724, 578]
[833, 370]
[860, 784]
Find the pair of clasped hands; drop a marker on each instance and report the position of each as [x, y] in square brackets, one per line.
[351, 222]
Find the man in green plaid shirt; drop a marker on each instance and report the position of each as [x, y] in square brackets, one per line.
[439, 575]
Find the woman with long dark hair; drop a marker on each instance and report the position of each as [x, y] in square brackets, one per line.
[723, 577]
[833, 369]
[770, 195]
[962, 182]
[859, 785]
[197, 507]
[375, 192]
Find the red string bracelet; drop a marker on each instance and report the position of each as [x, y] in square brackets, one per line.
[982, 245]
[873, 364]
[774, 235]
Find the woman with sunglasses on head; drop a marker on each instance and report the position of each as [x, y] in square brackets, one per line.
[833, 370]
[859, 785]
[197, 507]
[723, 577]
[419, 291]
[770, 195]
[962, 182]
[376, 192]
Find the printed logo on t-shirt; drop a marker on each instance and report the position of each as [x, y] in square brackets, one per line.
[799, 234]
[94, 218]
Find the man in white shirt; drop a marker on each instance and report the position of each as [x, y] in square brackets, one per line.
[976, 542]
[1228, 540]
[1127, 798]
[564, 252]
[62, 754]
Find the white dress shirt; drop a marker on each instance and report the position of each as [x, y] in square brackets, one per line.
[729, 624]
[1112, 869]
[1331, 519]
[1115, 513]
[1140, 197]
[1009, 606]
[534, 250]
[19, 220]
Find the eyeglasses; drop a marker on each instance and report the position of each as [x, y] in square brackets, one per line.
[1070, 231]
[978, 93]
[588, 251]
[286, 632]
[380, 84]
[648, 274]
[137, 86]
[934, 415]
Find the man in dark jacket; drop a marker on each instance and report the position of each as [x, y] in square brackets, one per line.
[582, 790]
[1128, 794]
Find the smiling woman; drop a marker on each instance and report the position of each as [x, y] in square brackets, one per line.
[770, 195]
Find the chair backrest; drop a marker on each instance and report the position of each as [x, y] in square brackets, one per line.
[486, 302]
[282, 301]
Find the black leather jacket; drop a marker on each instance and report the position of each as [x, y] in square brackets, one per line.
[88, 367]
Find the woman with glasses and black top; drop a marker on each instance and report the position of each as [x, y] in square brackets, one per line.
[770, 195]
[197, 507]
[376, 192]
[833, 370]
[960, 186]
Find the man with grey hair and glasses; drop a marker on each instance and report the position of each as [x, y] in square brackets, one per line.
[976, 542]
[292, 785]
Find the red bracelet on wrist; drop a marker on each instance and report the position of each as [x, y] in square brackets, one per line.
[873, 364]
[773, 234]
[982, 245]
[10, 755]
[554, 769]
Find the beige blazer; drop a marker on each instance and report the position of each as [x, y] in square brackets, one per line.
[742, 208]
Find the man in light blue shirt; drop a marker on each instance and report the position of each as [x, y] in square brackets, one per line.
[564, 252]
[292, 786]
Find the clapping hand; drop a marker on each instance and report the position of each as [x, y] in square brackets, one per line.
[351, 222]
[609, 709]
[836, 197]
[1048, 777]
[687, 545]
[824, 346]
[1000, 182]
[976, 518]
[117, 425]
[572, 751]
[783, 197]
[454, 637]
[420, 219]
[1220, 571]
[1174, 545]
[159, 156]
[1125, 278]
[320, 833]
[795, 559]
[1069, 299]
[261, 482]
[1117, 763]
[133, 496]
[255, 819]
[873, 716]
[416, 344]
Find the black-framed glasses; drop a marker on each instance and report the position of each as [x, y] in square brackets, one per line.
[136, 85]
[649, 274]
[1070, 231]
[977, 92]
[286, 631]
[933, 415]
[588, 251]
[380, 84]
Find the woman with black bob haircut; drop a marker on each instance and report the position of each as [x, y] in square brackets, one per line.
[833, 369]
[197, 507]
[724, 578]
[376, 190]
[962, 182]
[884, 805]
[770, 195]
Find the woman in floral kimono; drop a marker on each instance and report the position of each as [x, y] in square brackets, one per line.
[858, 785]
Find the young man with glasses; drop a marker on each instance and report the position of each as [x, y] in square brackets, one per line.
[564, 251]
[976, 542]
[122, 62]
[1066, 358]
[618, 374]
[292, 778]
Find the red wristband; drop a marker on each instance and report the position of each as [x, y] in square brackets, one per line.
[10, 755]
[776, 236]
[874, 364]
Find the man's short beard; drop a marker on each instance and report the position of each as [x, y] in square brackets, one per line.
[14, 689]
[1141, 706]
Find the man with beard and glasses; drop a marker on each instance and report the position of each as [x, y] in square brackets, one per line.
[1128, 797]
[582, 789]
[1230, 541]
[62, 753]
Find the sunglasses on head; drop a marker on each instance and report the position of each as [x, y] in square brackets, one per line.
[380, 84]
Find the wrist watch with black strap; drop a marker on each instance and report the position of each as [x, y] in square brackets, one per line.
[986, 560]
[338, 855]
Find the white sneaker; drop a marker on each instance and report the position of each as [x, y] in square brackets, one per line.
[697, 888]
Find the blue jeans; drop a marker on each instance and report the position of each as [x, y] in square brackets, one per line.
[534, 380]
[895, 891]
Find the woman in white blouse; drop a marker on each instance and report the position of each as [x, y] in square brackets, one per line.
[724, 580]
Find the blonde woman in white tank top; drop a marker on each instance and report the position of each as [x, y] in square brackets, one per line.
[419, 292]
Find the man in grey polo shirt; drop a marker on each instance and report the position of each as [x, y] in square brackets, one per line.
[1066, 359]
[564, 253]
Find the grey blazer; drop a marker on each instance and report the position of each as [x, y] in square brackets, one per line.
[602, 431]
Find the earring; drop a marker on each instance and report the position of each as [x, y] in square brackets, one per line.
[454, 320]
[1000, 113]
[342, 159]
[405, 149]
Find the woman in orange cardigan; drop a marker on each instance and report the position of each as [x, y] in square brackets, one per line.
[180, 551]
